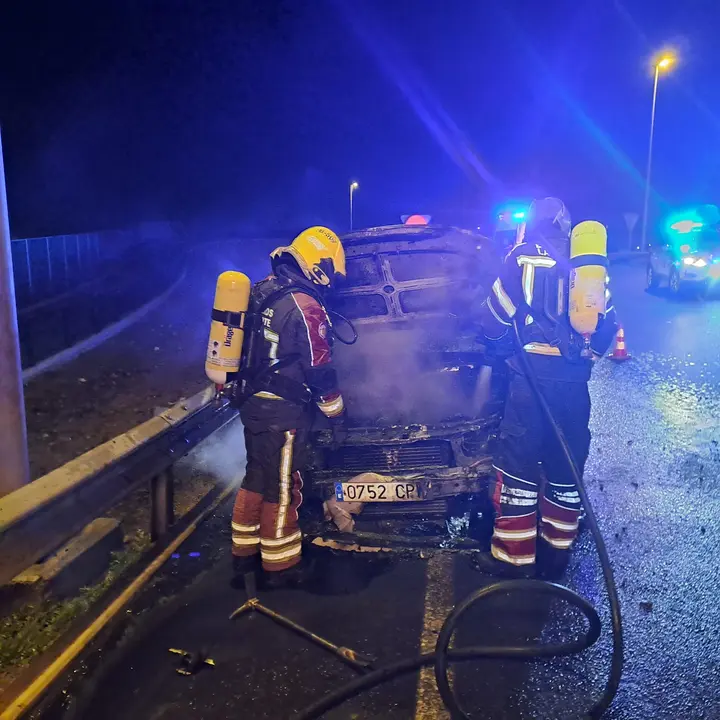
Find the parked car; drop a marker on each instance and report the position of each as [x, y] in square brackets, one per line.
[421, 395]
[686, 262]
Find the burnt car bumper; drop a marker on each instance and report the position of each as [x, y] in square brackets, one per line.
[448, 460]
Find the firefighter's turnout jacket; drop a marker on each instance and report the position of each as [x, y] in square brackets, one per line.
[532, 474]
[294, 336]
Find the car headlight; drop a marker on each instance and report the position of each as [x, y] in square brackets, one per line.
[700, 262]
[688, 261]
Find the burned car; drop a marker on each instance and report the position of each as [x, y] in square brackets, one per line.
[421, 395]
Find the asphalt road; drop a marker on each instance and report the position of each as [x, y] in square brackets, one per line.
[653, 477]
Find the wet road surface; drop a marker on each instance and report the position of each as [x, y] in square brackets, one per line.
[653, 477]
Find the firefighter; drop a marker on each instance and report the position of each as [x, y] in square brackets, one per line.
[289, 373]
[536, 503]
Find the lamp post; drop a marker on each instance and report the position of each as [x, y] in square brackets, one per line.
[14, 471]
[353, 187]
[662, 63]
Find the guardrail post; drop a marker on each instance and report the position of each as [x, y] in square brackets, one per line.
[14, 471]
[49, 258]
[29, 266]
[65, 259]
[162, 514]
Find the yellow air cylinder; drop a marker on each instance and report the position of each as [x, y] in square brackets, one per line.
[588, 258]
[227, 330]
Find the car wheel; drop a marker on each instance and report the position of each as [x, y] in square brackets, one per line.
[651, 279]
[675, 283]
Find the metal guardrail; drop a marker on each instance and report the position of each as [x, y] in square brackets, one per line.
[47, 266]
[49, 327]
[40, 517]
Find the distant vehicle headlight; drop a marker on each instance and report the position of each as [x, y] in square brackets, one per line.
[688, 261]
[700, 262]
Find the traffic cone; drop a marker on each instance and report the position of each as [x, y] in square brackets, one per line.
[620, 353]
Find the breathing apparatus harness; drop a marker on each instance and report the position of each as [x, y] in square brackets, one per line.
[261, 376]
[442, 656]
[554, 321]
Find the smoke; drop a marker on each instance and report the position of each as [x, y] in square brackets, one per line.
[221, 456]
[420, 363]
[401, 373]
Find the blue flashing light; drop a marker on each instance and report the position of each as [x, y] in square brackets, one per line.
[512, 214]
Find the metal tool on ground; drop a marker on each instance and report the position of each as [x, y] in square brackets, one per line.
[358, 661]
[620, 353]
[191, 662]
[442, 655]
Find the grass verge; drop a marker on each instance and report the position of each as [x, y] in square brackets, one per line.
[31, 629]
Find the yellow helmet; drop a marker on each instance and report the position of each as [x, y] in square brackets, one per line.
[319, 253]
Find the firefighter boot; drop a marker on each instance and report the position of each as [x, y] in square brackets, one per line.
[242, 566]
[552, 562]
[296, 576]
[487, 563]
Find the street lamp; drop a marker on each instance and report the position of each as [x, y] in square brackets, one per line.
[662, 63]
[353, 187]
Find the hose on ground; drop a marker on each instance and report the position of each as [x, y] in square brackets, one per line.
[443, 656]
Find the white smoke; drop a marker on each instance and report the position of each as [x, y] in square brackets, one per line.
[221, 456]
[388, 378]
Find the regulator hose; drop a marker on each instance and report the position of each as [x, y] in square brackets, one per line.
[618, 650]
[353, 337]
[442, 656]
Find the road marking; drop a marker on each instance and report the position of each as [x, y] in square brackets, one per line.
[438, 604]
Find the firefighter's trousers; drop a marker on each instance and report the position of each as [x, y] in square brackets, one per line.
[265, 516]
[526, 451]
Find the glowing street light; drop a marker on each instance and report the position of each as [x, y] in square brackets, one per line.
[662, 63]
[353, 187]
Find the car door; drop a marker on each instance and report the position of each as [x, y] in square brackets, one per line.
[663, 259]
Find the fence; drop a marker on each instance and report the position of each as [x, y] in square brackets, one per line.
[47, 266]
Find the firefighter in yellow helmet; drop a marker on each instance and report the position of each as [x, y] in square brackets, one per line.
[288, 375]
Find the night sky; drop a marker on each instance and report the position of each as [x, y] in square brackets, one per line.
[259, 112]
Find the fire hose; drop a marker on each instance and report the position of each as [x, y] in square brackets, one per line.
[443, 656]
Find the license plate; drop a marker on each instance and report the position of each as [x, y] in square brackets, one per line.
[380, 491]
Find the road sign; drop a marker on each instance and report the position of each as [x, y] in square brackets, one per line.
[631, 219]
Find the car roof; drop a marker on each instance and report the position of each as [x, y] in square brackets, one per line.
[404, 232]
